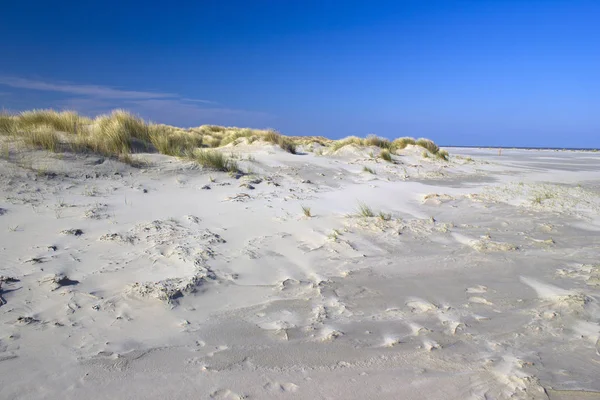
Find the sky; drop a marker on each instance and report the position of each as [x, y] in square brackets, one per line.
[478, 72]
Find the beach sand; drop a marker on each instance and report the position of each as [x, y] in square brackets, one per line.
[476, 278]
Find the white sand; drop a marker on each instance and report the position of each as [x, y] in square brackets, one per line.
[488, 288]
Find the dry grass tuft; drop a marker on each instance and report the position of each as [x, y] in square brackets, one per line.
[306, 211]
[429, 145]
[172, 141]
[113, 134]
[63, 121]
[443, 154]
[338, 144]
[121, 132]
[42, 136]
[8, 124]
[386, 155]
[365, 211]
[280, 140]
[214, 159]
[384, 216]
[401, 143]
[373, 140]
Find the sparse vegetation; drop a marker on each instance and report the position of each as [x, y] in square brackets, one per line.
[214, 159]
[540, 197]
[8, 124]
[385, 216]
[365, 211]
[172, 141]
[280, 140]
[334, 235]
[121, 133]
[63, 121]
[42, 136]
[373, 140]
[370, 140]
[401, 143]
[386, 155]
[429, 145]
[306, 211]
[369, 170]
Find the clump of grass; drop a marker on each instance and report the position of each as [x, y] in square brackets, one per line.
[126, 158]
[442, 154]
[540, 197]
[306, 211]
[365, 211]
[425, 154]
[386, 155]
[63, 121]
[8, 124]
[334, 235]
[214, 159]
[373, 140]
[283, 142]
[235, 135]
[401, 143]
[384, 216]
[429, 145]
[213, 141]
[213, 128]
[369, 170]
[42, 136]
[338, 144]
[173, 142]
[113, 134]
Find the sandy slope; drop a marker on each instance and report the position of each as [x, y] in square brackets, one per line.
[158, 283]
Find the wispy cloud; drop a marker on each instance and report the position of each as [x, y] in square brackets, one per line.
[84, 90]
[97, 91]
[171, 108]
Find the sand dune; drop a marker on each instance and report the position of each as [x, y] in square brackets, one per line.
[473, 278]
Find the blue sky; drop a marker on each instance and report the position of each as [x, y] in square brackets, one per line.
[478, 72]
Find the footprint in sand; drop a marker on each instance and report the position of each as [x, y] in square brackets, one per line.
[226, 394]
[420, 306]
[281, 387]
[431, 345]
[480, 300]
[477, 289]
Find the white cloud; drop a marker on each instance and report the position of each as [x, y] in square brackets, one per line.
[159, 107]
[84, 90]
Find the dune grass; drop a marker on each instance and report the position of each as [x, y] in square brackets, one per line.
[401, 143]
[280, 140]
[369, 170]
[389, 146]
[120, 133]
[386, 155]
[8, 124]
[370, 140]
[365, 211]
[62, 121]
[442, 154]
[428, 144]
[113, 134]
[213, 159]
[306, 211]
[384, 216]
[42, 136]
[172, 141]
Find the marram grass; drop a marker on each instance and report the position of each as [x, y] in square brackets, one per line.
[121, 132]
